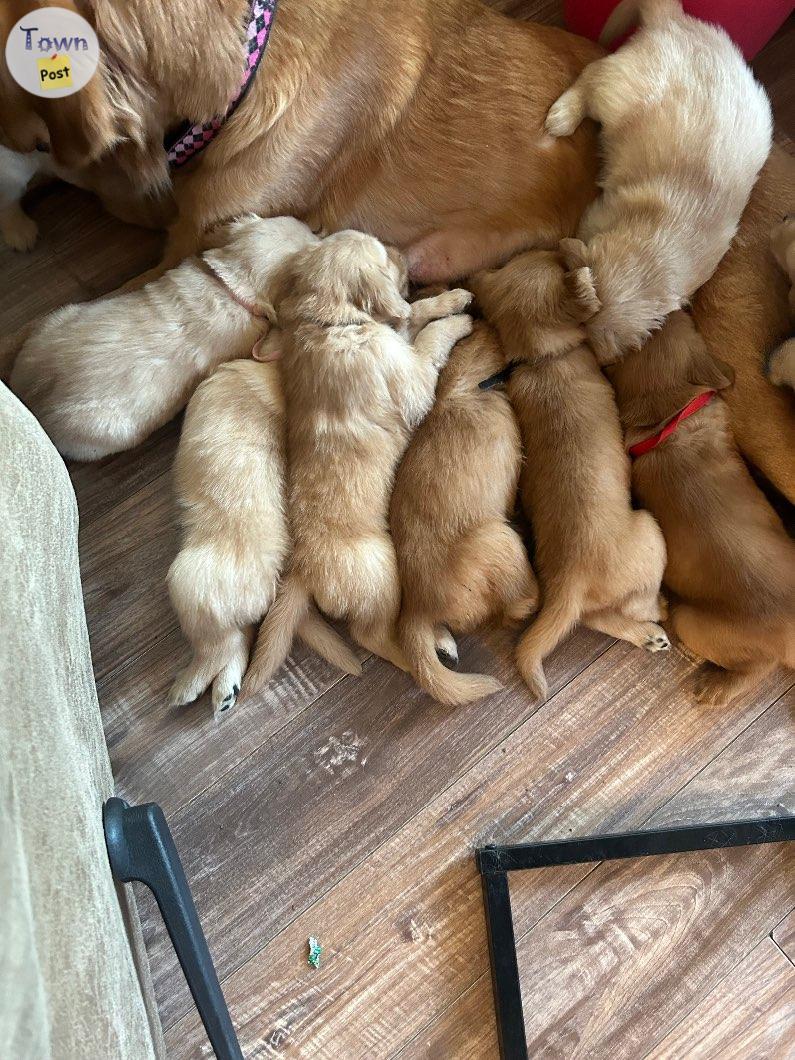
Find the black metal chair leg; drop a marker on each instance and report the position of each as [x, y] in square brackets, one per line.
[140, 848]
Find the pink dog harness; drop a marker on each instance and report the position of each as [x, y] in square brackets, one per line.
[189, 140]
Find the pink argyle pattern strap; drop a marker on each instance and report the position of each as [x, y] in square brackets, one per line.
[196, 137]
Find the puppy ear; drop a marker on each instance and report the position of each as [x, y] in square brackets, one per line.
[379, 297]
[227, 266]
[582, 293]
[269, 346]
[710, 373]
[574, 253]
[399, 261]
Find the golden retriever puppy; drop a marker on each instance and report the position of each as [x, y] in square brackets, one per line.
[781, 363]
[731, 564]
[461, 564]
[360, 370]
[598, 561]
[102, 375]
[230, 483]
[685, 129]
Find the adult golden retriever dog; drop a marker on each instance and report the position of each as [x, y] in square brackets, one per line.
[420, 122]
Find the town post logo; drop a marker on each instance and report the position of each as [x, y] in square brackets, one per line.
[52, 52]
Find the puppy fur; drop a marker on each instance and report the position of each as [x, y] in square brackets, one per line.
[17, 171]
[356, 389]
[461, 564]
[685, 129]
[781, 363]
[598, 560]
[731, 564]
[102, 375]
[230, 482]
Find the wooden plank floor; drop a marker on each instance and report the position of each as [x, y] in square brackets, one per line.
[348, 809]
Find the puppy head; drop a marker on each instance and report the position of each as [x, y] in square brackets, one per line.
[536, 305]
[249, 253]
[348, 278]
[674, 366]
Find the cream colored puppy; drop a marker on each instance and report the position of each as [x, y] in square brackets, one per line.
[103, 375]
[685, 129]
[230, 482]
[781, 364]
[360, 370]
[598, 561]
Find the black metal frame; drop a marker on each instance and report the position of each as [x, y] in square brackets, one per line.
[140, 847]
[495, 862]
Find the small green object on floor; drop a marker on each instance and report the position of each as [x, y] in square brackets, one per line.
[315, 949]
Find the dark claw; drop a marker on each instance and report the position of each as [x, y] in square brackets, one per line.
[450, 661]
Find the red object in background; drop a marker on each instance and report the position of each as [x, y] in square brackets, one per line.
[750, 23]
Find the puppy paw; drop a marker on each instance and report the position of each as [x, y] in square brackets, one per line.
[221, 706]
[711, 687]
[446, 648]
[562, 118]
[456, 301]
[20, 231]
[657, 639]
[226, 686]
[460, 326]
[186, 689]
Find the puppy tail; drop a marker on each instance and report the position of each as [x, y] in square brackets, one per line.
[554, 621]
[631, 13]
[10, 346]
[277, 632]
[445, 686]
[321, 638]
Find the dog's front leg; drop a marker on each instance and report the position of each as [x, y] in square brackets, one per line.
[446, 304]
[432, 349]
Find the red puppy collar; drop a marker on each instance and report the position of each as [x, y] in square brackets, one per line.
[648, 444]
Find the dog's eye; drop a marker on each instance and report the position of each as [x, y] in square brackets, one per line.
[43, 146]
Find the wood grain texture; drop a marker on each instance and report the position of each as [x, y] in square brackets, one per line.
[103, 485]
[336, 783]
[750, 1015]
[753, 777]
[784, 935]
[718, 792]
[405, 930]
[626, 953]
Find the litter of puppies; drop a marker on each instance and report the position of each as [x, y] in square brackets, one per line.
[360, 459]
